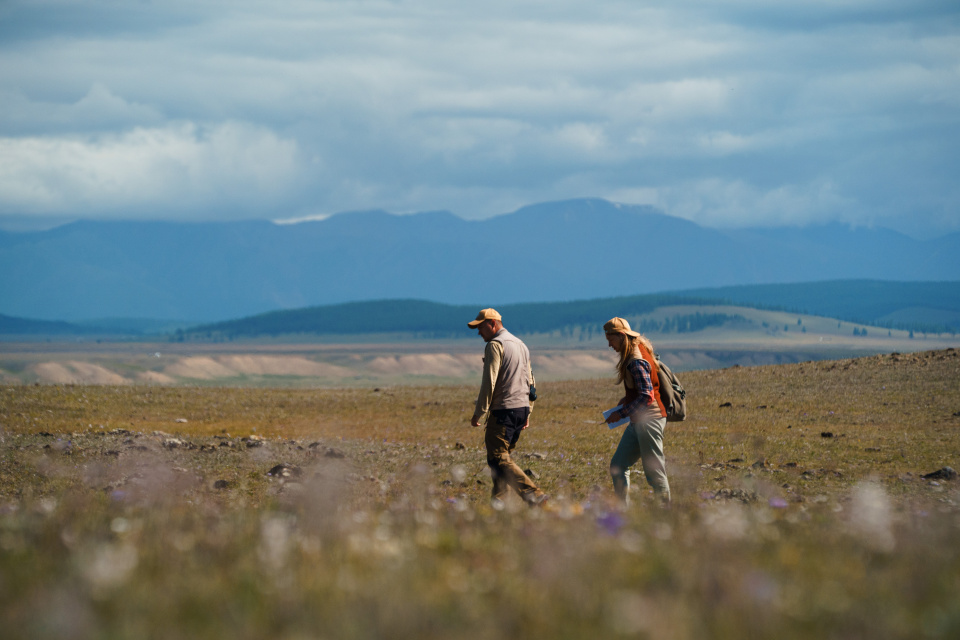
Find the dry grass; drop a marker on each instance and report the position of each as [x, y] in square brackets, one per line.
[117, 519]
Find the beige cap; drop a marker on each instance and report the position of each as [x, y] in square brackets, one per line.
[619, 325]
[483, 316]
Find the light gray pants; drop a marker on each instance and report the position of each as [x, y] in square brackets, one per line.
[642, 440]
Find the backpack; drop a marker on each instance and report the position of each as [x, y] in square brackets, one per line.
[671, 393]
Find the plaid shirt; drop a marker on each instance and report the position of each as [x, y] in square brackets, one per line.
[639, 369]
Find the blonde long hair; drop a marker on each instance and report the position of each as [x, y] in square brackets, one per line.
[628, 347]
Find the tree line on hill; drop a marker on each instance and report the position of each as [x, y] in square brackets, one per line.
[924, 307]
[433, 320]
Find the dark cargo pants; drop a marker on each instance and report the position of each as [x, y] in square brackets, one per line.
[502, 433]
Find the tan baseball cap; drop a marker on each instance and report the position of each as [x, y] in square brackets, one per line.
[619, 325]
[483, 316]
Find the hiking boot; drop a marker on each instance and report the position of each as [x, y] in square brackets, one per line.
[538, 501]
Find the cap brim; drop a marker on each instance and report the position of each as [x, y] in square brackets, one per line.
[475, 323]
[632, 334]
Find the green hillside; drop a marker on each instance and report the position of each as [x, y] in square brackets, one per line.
[434, 320]
[931, 307]
[10, 325]
[925, 307]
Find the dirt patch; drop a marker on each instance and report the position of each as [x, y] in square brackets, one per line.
[74, 372]
[207, 368]
[572, 365]
[282, 366]
[200, 367]
[428, 364]
[685, 360]
[155, 377]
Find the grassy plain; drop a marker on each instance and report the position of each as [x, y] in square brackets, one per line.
[799, 511]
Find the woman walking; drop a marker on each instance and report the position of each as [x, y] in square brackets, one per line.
[643, 438]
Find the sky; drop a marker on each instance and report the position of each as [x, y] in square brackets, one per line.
[726, 113]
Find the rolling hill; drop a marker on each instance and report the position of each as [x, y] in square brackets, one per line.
[921, 306]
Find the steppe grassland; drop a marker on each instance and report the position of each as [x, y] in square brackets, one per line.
[153, 527]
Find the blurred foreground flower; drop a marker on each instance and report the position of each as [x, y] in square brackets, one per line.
[726, 521]
[274, 542]
[777, 502]
[871, 516]
[110, 565]
[610, 522]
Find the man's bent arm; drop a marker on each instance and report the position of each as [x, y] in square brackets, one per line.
[492, 358]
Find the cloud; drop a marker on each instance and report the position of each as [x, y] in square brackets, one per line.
[717, 203]
[98, 110]
[231, 165]
[796, 113]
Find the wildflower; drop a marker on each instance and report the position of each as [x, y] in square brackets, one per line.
[611, 522]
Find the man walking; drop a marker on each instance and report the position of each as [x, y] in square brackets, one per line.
[505, 393]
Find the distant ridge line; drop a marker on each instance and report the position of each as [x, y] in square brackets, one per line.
[567, 250]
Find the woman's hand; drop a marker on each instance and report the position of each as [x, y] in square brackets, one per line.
[613, 417]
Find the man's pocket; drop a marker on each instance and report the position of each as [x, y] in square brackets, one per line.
[512, 421]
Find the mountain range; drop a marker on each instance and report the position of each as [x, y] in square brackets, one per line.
[569, 250]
